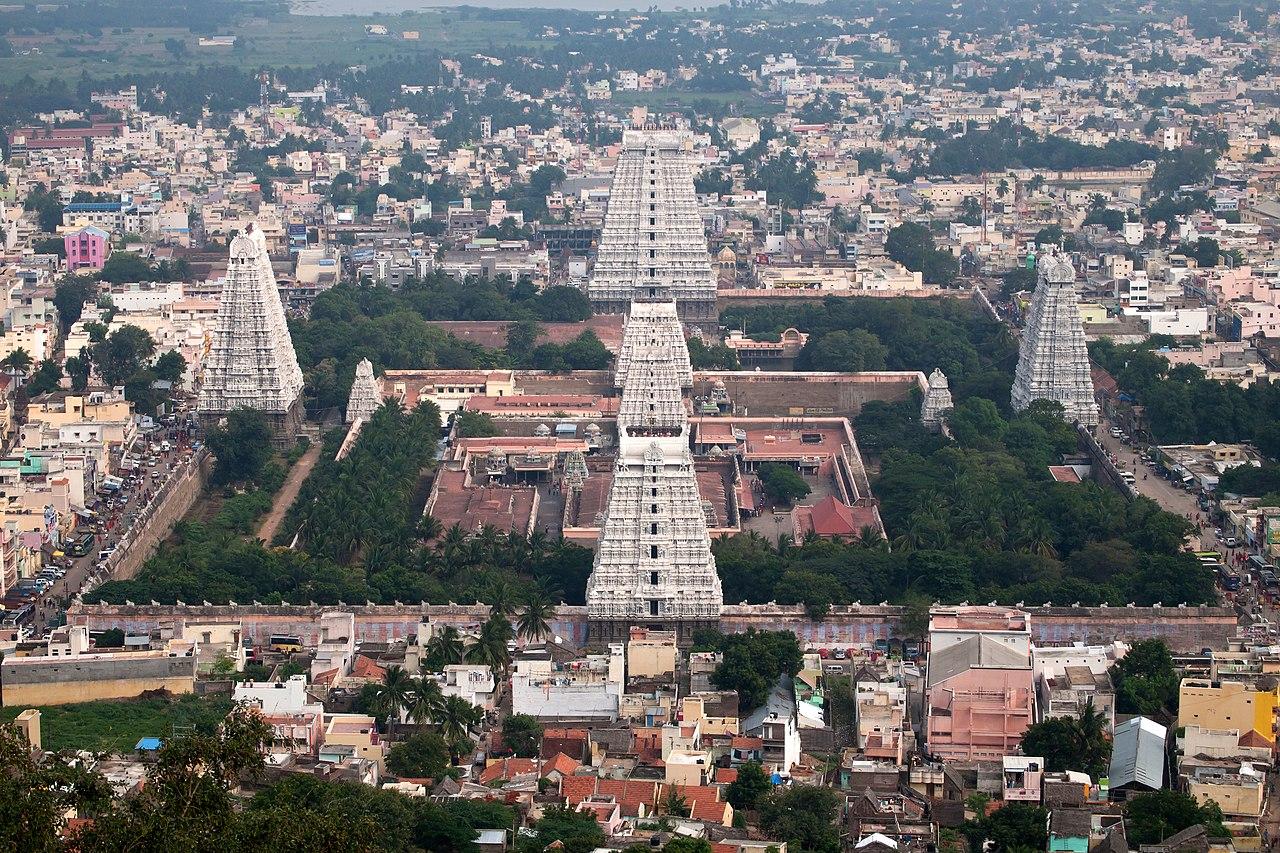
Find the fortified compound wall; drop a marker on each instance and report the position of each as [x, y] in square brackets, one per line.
[174, 501]
[1185, 629]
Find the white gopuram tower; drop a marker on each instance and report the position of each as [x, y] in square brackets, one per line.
[653, 245]
[937, 400]
[251, 364]
[365, 397]
[1053, 363]
[654, 565]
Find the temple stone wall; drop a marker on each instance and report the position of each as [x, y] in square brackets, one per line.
[1185, 629]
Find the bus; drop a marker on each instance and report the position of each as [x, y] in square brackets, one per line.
[81, 546]
[1230, 580]
[286, 643]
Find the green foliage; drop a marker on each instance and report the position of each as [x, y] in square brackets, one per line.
[171, 366]
[911, 244]
[241, 446]
[123, 267]
[803, 816]
[1071, 744]
[1145, 681]
[122, 354]
[752, 662]
[1152, 817]
[714, 357]
[749, 788]
[844, 351]
[522, 734]
[475, 425]
[977, 353]
[1182, 406]
[47, 378]
[578, 832]
[38, 795]
[1006, 147]
[118, 725]
[788, 180]
[1182, 167]
[1012, 827]
[782, 484]
[420, 756]
[360, 506]
[69, 296]
[1250, 480]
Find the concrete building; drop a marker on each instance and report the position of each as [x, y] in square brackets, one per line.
[583, 689]
[87, 249]
[75, 673]
[1226, 705]
[980, 695]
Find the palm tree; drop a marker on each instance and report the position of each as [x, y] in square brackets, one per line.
[490, 648]
[453, 540]
[534, 623]
[457, 716]
[429, 527]
[501, 598]
[393, 695]
[18, 361]
[869, 538]
[445, 648]
[424, 701]
[1035, 536]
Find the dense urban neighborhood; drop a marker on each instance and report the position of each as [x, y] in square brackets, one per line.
[763, 428]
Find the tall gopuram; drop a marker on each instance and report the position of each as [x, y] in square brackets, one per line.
[654, 566]
[653, 245]
[365, 398]
[1053, 363]
[252, 364]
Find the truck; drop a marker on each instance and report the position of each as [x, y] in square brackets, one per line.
[81, 546]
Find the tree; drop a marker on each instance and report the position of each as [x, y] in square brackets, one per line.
[48, 377]
[394, 692]
[522, 734]
[534, 623]
[38, 794]
[1152, 817]
[171, 366]
[1070, 744]
[1012, 827]
[241, 446]
[420, 756]
[782, 484]
[845, 351]
[752, 663]
[17, 362]
[122, 353]
[424, 701]
[457, 716]
[909, 244]
[803, 816]
[69, 296]
[1050, 235]
[1145, 680]
[577, 831]
[123, 267]
[78, 368]
[752, 784]
[475, 425]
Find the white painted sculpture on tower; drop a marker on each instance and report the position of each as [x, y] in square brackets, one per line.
[251, 363]
[937, 400]
[1053, 362]
[365, 397]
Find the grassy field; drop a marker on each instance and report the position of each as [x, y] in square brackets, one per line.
[117, 726]
[298, 41]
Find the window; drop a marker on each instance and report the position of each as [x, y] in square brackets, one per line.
[653, 578]
[653, 529]
[653, 552]
[653, 607]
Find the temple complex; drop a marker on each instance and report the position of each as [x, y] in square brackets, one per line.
[366, 396]
[1053, 363]
[653, 244]
[252, 364]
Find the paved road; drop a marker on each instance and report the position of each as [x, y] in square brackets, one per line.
[56, 598]
[289, 492]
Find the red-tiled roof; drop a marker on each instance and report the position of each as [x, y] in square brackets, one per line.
[1064, 474]
[365, 667]
[561, 763]
[575, 789]
[725, 775]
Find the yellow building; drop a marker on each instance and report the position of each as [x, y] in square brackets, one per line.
[1227, 705]
[354, 734]
[651, 654]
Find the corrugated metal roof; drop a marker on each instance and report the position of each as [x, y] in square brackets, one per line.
[1137, 753]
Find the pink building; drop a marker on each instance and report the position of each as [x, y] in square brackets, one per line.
[981, 692]
[87, 249]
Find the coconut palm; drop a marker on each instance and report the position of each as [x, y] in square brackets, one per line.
[869, 538]
[393, 694]
[445, 649]
[429, 527]
[457, 716]
[1035, 536]
[501, 597]
[535, 619]
[18, 361]
[490, 648]
[424, 701]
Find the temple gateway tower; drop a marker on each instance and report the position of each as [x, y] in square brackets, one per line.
[252, 364]
[1053, 362]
